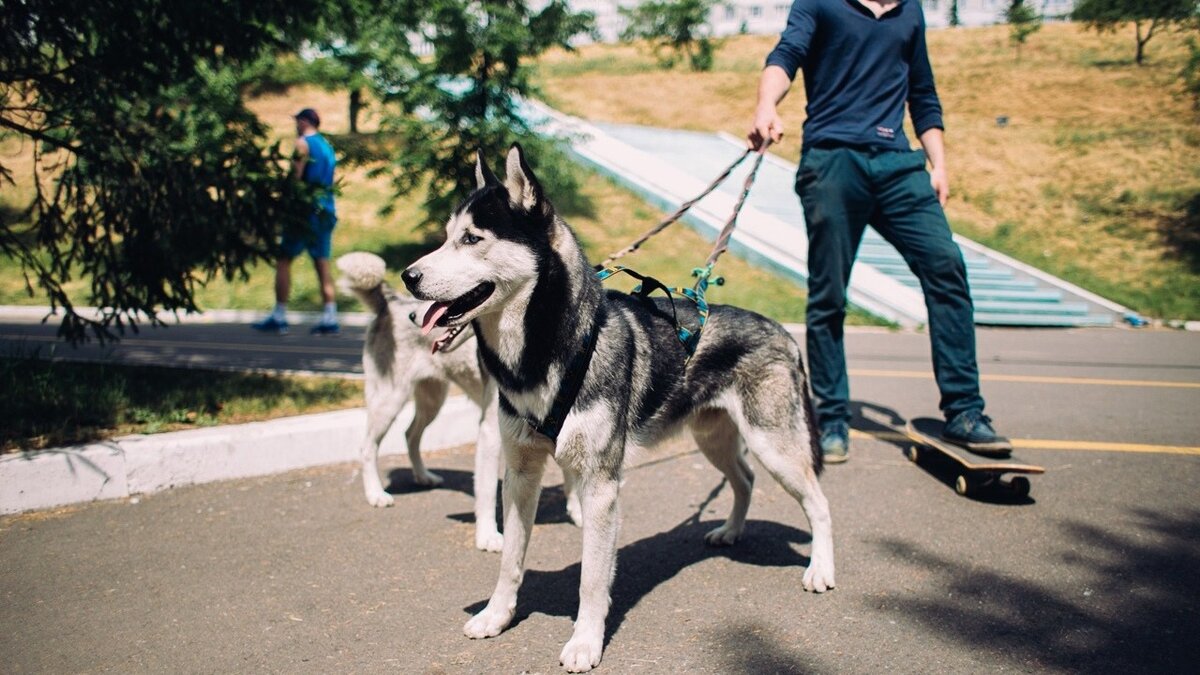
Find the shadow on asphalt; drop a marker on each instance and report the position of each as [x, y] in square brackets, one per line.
[882, 423]
[744, 649]
[552, 508]
[1152, 626]
[645, 564]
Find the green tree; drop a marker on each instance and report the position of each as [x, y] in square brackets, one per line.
[150, 176]
[1023, 21]
[954, 20]
[674, 30]
[1149, 17]
[339, 52]
[466, 95]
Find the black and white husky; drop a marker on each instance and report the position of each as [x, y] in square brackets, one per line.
[602, 371]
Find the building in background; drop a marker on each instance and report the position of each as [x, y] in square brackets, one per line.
[767, 17]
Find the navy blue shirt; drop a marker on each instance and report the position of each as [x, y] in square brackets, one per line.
[859, 71]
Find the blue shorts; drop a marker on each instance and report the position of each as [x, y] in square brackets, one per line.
[318, 241]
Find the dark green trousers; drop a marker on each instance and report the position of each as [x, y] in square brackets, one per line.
[844, 189]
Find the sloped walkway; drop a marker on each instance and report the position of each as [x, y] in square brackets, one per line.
[668, 167]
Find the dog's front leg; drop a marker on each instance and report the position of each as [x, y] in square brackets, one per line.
[522, 486]
[597, 488]
[487, 469]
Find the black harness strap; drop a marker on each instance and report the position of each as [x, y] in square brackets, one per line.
[568, 389]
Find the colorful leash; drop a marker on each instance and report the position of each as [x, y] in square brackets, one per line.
[704, 275]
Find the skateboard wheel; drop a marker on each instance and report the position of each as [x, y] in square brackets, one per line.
[961, 486]
[1020, 486]
[912, 453]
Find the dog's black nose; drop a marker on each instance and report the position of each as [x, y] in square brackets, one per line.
[411, 278]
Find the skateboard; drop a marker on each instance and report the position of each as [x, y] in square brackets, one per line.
[976, 472]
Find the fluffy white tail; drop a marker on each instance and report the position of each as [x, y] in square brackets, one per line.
[363, 275]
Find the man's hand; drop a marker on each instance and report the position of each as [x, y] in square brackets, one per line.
[935, 152]
[767, 124]
[773, 85]
[941, 184]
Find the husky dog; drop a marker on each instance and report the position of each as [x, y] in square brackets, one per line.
[583, 374]
[401, 364]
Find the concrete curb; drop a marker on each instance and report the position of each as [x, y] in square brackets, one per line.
[135, 465]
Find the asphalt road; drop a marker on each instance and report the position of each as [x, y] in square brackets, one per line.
[1096, 572]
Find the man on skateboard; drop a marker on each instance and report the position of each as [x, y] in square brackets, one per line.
[863, 60]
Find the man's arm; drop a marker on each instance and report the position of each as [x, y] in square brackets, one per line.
[926, 111]
[782, 64]
[300, 158]
[935, 152]
[772, 88]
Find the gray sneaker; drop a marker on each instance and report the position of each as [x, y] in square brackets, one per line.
[835, 442]
[973, 430]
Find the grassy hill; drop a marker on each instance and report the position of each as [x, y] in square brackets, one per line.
[1095, 177]
[1091, 179]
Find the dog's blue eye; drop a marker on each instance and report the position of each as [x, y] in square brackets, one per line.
[469, 239]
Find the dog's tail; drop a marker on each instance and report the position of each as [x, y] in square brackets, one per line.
[362, 275]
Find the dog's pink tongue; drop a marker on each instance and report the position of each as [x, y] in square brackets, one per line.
[435, 312]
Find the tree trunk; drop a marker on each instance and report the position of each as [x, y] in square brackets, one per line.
[1141, 41]
[356, 105]
[1141, 44]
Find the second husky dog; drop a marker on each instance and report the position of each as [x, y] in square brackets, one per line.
[399, 365]
[583, 373]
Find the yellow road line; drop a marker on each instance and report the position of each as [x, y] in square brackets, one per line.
[1032, 379]
[1051, 444]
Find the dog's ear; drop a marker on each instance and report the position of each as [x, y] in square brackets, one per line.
[483, 173]
[524, 191]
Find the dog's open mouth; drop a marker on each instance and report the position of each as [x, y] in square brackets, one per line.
[445, 313]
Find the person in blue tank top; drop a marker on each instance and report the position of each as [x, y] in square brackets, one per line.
[863, 61]
[314, 163]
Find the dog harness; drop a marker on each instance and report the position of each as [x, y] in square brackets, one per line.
[568, 388]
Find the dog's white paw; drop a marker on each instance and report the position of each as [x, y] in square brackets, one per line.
[725, 535]
[818, 578]
[379, 498]
[427, 478]
[582, 654]
[487, 623]
[492, 542]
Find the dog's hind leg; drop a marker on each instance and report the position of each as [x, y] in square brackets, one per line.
[383, 404]
[786, 454]
[598, 488]
[428, 395]
[718, 439]
[571, 492]
[487, 469]
[522, 486]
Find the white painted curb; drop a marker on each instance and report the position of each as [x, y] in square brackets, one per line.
[145, 464]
